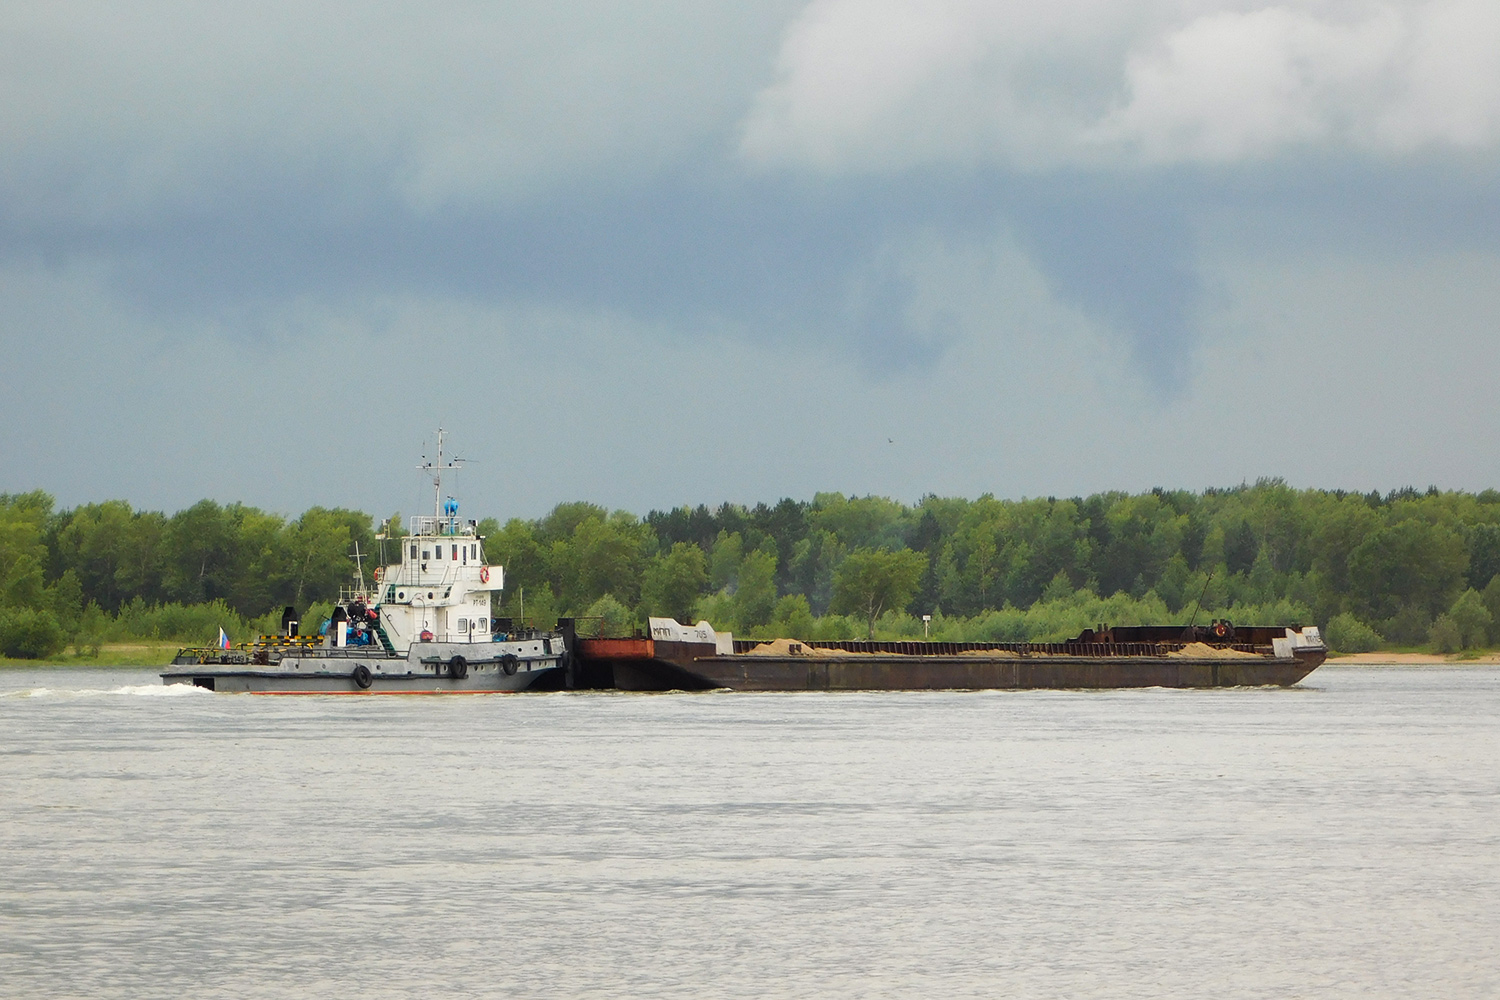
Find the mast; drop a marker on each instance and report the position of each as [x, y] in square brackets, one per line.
[436, 469]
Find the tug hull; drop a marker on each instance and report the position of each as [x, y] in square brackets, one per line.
[429, 668]
[329, 682]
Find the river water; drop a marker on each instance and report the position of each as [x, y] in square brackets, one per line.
[1338, 839]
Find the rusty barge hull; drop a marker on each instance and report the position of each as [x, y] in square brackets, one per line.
[654, 665]
[925, 673]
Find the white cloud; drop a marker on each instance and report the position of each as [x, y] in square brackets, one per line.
[900, 83]
[877, 85]
[1231, 86]
[1452, 79]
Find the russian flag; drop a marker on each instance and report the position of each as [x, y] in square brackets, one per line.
[223, 640]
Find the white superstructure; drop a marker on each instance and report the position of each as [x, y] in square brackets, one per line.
[440, 590]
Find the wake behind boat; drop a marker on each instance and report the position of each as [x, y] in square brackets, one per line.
[424, 627]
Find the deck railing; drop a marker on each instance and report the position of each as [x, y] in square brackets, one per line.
[426, 524]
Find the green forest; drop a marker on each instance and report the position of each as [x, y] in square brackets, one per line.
[1407, 569]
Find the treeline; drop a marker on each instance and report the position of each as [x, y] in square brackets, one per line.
[1396, 568]
[1406, 568]
[106, 571]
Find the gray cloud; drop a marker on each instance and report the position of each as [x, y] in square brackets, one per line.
[692, 242]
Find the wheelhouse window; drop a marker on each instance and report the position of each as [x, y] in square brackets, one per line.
[414, 552]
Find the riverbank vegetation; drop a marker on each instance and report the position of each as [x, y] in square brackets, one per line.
[1404, 569]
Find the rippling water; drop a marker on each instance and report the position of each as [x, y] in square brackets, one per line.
[1337, 839]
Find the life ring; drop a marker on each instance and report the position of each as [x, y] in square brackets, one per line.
[426, 636]
[361, 675]
[458, 668]
[379, 573]
[484, 574]
[1220, 629]
[508, 663]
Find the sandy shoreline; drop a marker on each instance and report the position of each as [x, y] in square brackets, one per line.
[1413, 659]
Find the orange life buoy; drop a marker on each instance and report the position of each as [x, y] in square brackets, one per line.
[1220, 629]
[484, 574]
[379, 572]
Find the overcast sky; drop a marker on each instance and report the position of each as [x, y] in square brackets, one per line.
[651, 254]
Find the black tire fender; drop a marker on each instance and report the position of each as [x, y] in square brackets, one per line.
[360, 675]
[508, 663]
[458, 668]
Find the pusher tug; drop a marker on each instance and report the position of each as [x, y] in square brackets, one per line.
[424, 627]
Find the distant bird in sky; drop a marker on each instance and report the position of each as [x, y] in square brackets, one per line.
[890, 440]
